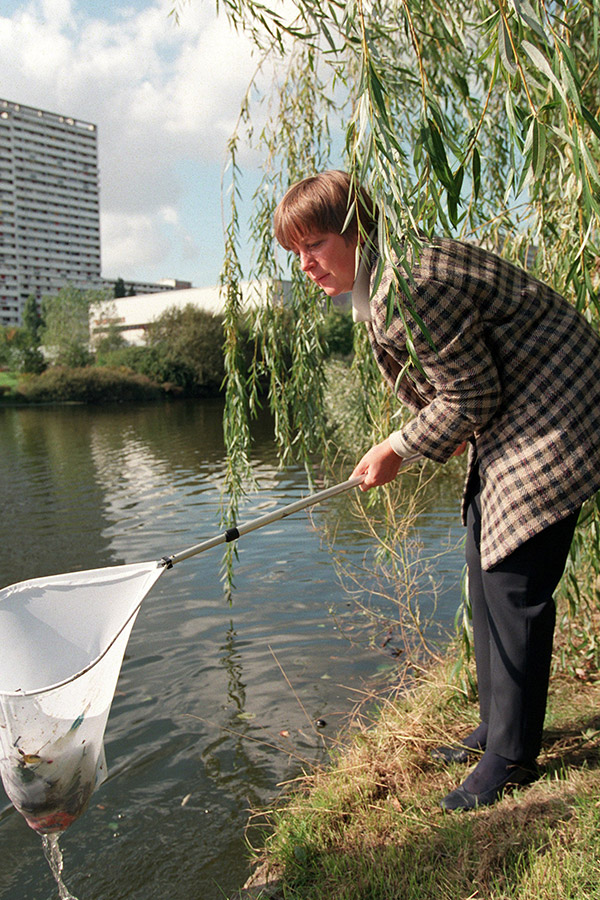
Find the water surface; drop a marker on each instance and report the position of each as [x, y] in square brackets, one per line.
[217, 701]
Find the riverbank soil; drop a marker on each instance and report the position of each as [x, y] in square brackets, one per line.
[370, 827]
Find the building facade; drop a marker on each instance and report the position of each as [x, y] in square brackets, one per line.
[131, 316]
[133, 288]
[49, 206]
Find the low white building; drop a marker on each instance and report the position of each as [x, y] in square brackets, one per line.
[132, 315]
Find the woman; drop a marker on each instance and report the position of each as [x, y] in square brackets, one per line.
[514, 372]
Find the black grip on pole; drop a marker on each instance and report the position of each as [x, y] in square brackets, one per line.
[232, 534]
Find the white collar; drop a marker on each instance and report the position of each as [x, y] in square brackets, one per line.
[361, 289]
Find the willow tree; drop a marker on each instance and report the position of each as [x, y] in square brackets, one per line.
[478, 120]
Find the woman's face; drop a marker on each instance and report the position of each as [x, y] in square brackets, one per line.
[328, 260]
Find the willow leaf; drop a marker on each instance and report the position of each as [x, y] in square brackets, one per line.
[437, 154]
[476, 173]
[591, 120]
[507, 55]
[591, 165]
[413, 355]
[422, 326]
[538, 148]
[572, 88]
[400, 377]
[543, 66]
[525, 11]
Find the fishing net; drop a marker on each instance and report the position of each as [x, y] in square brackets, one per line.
[63, 641]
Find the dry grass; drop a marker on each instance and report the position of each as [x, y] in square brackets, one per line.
[370, 826]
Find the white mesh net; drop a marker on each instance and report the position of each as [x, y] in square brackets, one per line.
[63, 640]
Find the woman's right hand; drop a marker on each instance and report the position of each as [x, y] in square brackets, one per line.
[379, 465]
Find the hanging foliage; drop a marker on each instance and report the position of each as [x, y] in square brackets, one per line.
[476, 120]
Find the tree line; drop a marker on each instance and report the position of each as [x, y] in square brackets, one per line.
[57, 357]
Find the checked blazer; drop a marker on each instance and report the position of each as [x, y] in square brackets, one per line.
[515, 370]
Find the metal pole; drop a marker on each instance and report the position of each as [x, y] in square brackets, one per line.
[232, 534]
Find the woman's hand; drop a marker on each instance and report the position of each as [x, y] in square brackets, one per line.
[379, 465]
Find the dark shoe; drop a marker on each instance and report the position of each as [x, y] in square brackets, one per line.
[470, 746]
[455, 754]
[462, 798]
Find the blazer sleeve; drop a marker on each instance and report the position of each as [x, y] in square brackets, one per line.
[460, 376]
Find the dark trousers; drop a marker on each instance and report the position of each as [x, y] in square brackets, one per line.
[513, 627]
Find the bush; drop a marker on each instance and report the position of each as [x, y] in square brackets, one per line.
[29, 359]
[19, 351]
[188, 348]
[159, 365]
[8, 383]
[143, 360]
[110, 341]
[184, 348]
[87, 385]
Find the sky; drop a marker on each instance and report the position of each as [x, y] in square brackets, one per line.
[165, 98]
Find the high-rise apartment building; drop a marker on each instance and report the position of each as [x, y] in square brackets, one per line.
[49, 206]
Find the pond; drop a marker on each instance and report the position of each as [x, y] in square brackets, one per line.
[218, 698]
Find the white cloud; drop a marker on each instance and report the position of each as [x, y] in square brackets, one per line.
[170, 215]
[130, 241]
[160, 93]
[59, 12]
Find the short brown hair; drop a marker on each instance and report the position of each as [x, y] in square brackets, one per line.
[320, 203]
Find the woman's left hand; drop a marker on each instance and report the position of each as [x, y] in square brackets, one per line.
[379, 465]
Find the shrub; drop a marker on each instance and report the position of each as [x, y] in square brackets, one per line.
[188, 344]
[87, 385]
[157, 363]
[29, 359]
[110, 341]
[19, 351]
[143, 360]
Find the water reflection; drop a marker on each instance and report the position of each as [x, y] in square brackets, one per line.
[216, 703]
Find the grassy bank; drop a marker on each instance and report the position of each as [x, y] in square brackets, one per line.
[8, 383]
[89, 384]
[370, 826]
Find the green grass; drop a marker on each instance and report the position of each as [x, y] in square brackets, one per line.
[369, 827]
[8, 386]
[8, 380]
